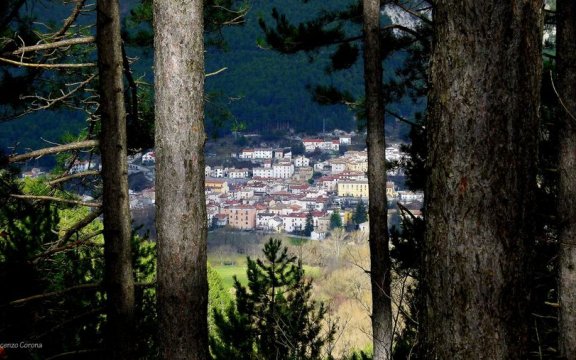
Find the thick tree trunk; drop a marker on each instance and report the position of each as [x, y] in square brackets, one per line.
[181, 209]
[482, 139]
[378, 206]
[566, 65]
[116, 207]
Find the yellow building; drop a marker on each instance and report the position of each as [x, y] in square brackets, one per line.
[358, 189]
[217, 185]
[358, 165]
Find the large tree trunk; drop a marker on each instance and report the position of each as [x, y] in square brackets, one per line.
[181, 209]
[116, 206]
[378, 206]
[482, 140]
[566, 65]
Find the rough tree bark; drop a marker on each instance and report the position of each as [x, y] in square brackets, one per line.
[378, 206]
[482, 140]
[181, 209]
[116, 207]
[566, 84]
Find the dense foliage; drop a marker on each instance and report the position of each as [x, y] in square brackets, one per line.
[273, 317]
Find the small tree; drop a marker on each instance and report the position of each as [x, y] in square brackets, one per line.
[273, 318]
[335, 220]
[309, 224]
[360, 214]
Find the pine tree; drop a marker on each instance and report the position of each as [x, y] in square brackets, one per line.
[360, 213]
[309, 225]
[335, 220]
[273, 317]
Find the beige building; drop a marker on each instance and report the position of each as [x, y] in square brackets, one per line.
[358, 189]
[241, 216]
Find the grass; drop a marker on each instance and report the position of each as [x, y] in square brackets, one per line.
[227, 273]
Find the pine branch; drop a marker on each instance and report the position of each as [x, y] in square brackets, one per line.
[54, 150]
[56, 199]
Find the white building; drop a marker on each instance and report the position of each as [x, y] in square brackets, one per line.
[345, 140]
[262, 172]
[263, 154]
[217, 172]
[283, 170]
[238, 173]
[294, 222]
[301, 161]
[246, 154]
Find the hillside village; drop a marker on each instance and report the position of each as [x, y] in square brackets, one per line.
[278, 191]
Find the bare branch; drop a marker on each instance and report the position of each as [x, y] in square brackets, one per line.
[73, 176]
[80, 225]
[70, 20]
[56, 199]
[84, 241]
[216, 72]
[54, 45]
[50, 102]
[55, 293]
[413, 13]
[47, 66]
[54, 150]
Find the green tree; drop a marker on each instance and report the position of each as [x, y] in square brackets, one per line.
[273, 317]
[335, 220]
[309, 224]
[360, 214]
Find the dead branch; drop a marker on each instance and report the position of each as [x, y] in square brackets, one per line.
[73, 176]
[80, 225]
[70, 20]
[413, 13]
[56, 199]
[55, 293]
[54, 45]
[50, 102]
[47, 66]
[54, 150]
[84, 241]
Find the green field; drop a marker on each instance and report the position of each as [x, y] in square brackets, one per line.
[227, 273]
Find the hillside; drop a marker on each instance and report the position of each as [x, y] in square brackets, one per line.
[260, 89]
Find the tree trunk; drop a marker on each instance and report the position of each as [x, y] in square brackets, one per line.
[482, 139]
[378, 205]
[181, 210]
[116, 207]
[566, 65]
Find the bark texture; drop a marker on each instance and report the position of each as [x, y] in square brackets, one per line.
[378, 205]
[181, 209]
[118, 277]
[482, 139]
[566, 84]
